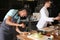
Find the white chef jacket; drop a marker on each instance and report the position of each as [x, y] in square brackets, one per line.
[44, 18]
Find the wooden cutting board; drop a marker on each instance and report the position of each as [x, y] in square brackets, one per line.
[47, 29]
[23, 37]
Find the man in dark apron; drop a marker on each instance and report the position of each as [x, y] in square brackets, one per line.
[11, 20]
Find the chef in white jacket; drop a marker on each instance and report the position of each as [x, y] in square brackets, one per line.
[44, 16]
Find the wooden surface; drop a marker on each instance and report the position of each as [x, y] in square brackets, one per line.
[25, 38]
[56, 38]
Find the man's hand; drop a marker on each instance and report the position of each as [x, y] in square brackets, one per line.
[22, 25]
[57, 18]
[24, 33]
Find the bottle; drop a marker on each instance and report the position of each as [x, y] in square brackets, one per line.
[50, 38]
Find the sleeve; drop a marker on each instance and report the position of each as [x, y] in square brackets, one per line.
[11, 12]
[49, 19]
[45, 17]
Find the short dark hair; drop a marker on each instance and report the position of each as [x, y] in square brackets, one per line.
[46, 1]
[22, 9]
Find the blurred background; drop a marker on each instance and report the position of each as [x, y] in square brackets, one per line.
[34, 6]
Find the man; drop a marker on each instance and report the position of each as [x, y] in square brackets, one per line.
[44, 19]
[11, 20]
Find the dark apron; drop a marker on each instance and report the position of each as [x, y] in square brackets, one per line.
[6, 31]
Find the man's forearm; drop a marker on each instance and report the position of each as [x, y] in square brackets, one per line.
[17, 29]
[12, 23]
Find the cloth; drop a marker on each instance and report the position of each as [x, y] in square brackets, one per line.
[7, 31]
[13, 13]
[44, 18]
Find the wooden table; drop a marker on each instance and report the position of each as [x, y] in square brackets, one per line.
[56, 38]
[21, 37]
[25, 38]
